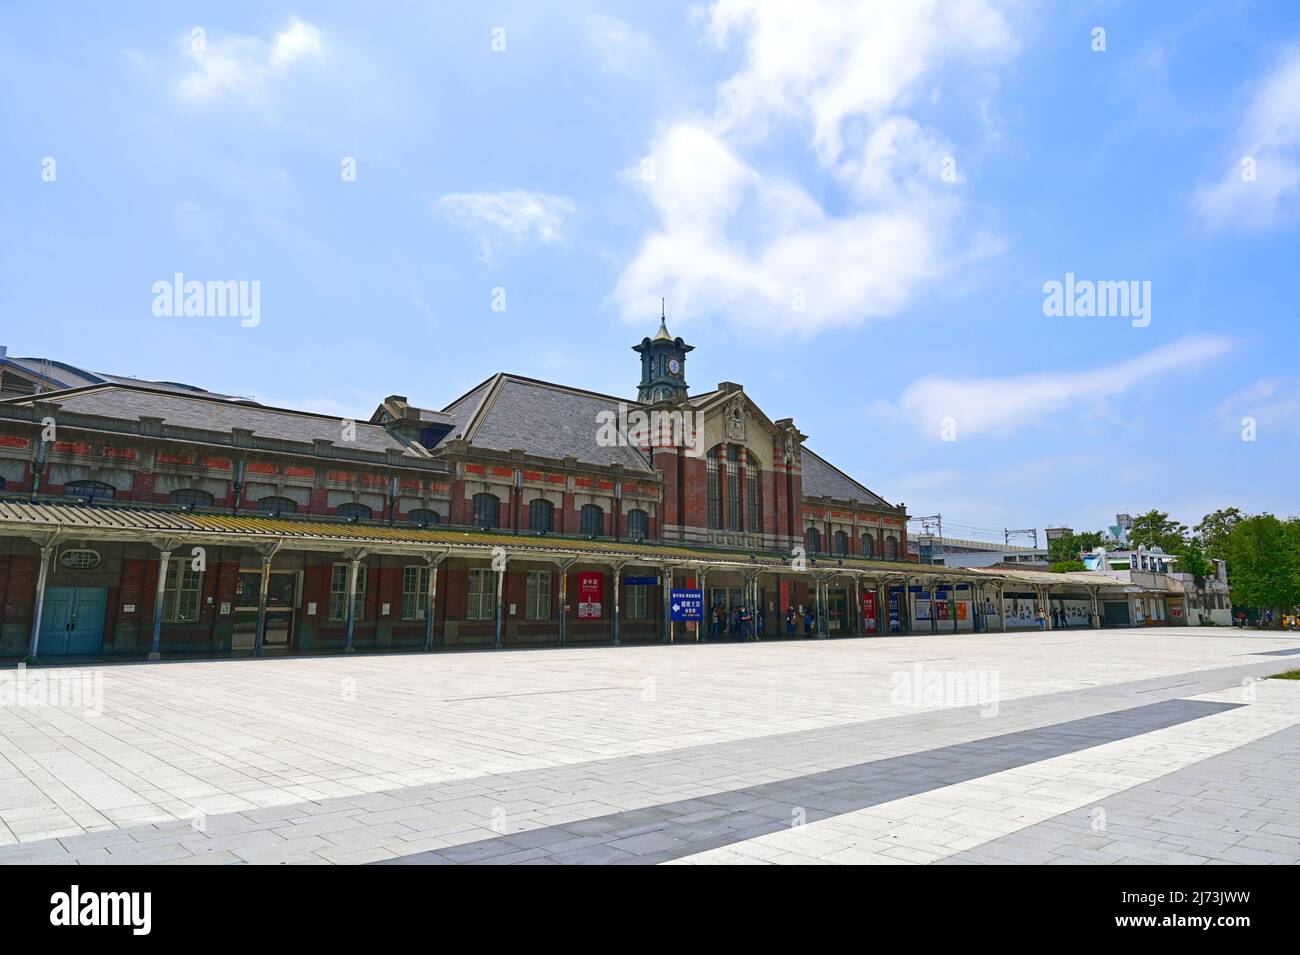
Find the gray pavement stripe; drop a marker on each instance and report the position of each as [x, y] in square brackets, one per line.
[1237, 806]
[677, 829]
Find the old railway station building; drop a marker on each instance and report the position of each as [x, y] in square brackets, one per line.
[155, 518]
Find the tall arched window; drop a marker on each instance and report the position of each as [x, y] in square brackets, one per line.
[190, 496]
[422, 515]
[841, 544]
[868, 546]
[593, 520]
[94, 490]
[359, 511]
[714, 489]
[814, 541]
[638, 524]
[541, 515]
[891, 548]
[276, 505]
[487, 510]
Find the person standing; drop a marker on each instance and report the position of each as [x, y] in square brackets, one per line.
[1042, 619]
[746, 624]
[789, 622]
[809, 619]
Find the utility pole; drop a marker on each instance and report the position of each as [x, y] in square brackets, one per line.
[933, 526]
[1029, 532]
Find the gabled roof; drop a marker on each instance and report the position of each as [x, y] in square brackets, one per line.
[823, 479]
[210, 413]
[542, 418]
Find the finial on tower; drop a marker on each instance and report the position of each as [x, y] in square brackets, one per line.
[663, 322]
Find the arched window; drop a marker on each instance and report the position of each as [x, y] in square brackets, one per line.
[868, 546]
[841, 544]
[94, 490]
[714, 489]
[638, 524]
[891, 548]
[541, 516]
[276, 505]
[191, 496]
[487, 510]
[814, 540]
[422, 515]
[359, 511]
[593, 520]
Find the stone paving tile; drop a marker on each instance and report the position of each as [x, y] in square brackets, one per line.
[448, 739]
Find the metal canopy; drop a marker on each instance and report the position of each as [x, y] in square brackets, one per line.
[37, 520]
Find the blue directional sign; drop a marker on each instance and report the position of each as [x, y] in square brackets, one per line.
[686, 605]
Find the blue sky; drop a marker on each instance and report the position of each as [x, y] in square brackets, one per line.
[852, 210]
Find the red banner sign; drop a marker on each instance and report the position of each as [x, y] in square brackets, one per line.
[591, 594]
[869, 620]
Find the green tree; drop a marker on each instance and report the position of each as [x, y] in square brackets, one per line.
[1065, 566]
[1263, 562]
[1156, 529]
[1215, 529]
[1069, 546]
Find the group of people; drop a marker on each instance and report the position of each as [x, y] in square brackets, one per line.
[792, 622]
[744, 623]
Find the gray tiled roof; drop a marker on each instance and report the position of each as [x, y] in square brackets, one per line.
[215, 414]
[823, 479]
[543, 419]
[71, 376]
[463, 408]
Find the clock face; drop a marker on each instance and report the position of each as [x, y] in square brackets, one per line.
[675, 366]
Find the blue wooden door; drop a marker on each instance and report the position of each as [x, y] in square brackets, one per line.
[72, 620]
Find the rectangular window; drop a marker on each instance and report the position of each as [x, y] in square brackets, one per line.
[339, 593]
[714, 493]
[482, 595]
[181, 596]
[753, 481]
[734, 501]
[638, 602]
[415, 591]
[537, 605]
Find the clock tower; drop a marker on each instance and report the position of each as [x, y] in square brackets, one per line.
[663, 366]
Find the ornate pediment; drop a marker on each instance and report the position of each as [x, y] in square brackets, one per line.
[736, 418]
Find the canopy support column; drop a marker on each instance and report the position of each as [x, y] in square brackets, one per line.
[42, 574]
[159, 597]
[431, 597]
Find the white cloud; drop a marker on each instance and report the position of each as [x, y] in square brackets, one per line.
[622, 48]
[1268, 140]
[1273, 403]
[735, 240]
[515, 217]
[1003, 405]
[243, 67]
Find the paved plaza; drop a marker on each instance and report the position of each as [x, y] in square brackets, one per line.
[1106, 747]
